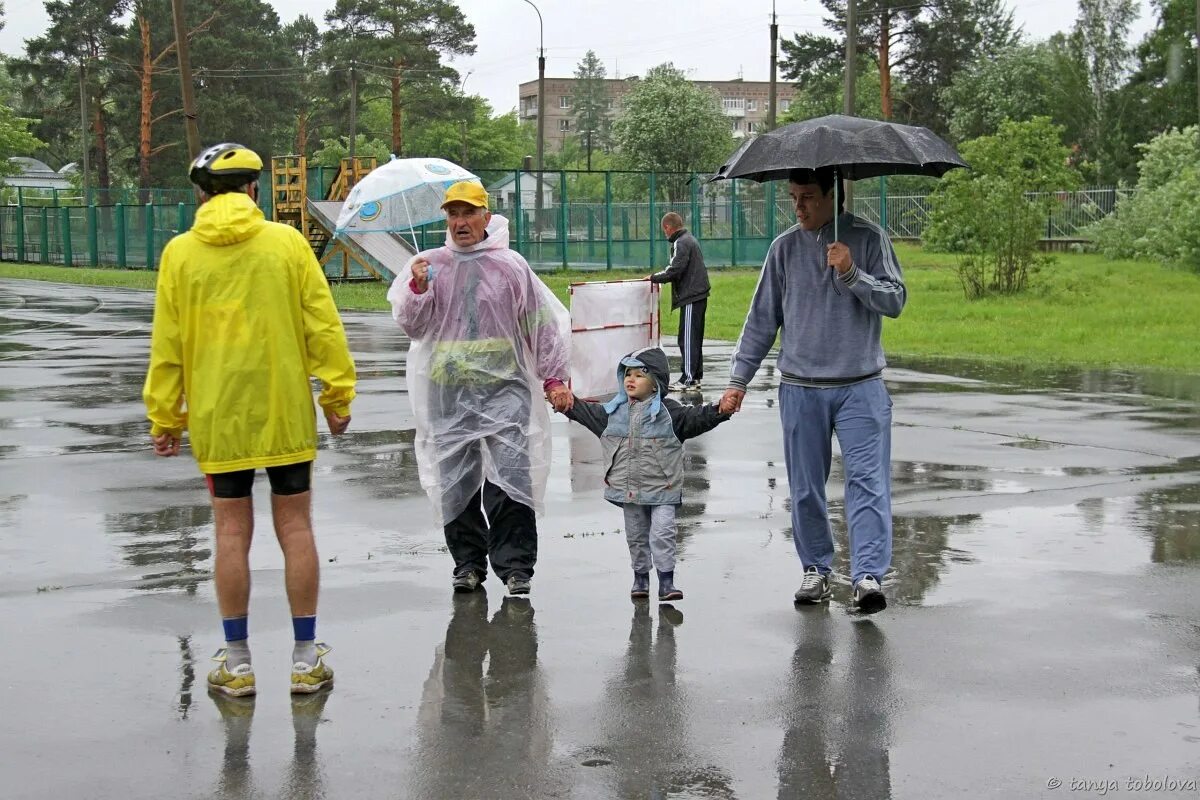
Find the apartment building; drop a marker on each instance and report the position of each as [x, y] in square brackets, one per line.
[745, 104]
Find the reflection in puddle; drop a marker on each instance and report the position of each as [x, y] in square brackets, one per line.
[383, 462]
[1171, 516]
[1024, 376]
[646, 747]
[174, 537]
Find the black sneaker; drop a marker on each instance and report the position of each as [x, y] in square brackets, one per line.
[814, 588]
[868, 596]
[518, 583]
[641, 586]
[466, 581]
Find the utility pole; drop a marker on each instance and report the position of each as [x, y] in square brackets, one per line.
[541, 123]
[83, 132]
[353, 119]
[185, 79]
[848, 91]
[774, 62]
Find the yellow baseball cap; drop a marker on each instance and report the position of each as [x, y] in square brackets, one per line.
[466, 192]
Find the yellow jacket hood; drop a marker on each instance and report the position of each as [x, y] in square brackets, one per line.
[228, 219]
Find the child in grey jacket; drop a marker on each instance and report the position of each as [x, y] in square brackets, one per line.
[642, 432]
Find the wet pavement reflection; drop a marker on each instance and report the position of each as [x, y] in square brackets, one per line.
[1042, 621]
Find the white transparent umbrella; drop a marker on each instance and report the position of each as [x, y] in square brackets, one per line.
[400, 196]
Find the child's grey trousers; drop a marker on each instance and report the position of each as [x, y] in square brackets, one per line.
[650, 532]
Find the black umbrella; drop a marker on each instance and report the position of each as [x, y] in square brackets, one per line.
[859, 148]
[856, 148]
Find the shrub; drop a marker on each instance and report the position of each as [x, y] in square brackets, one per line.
[988, 214]
[1159, 220]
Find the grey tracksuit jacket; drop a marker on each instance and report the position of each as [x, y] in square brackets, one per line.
[829, 326]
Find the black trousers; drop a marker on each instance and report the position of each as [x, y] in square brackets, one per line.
[493, 527]
[691, 340]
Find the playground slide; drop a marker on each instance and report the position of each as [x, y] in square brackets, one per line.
[385, 252]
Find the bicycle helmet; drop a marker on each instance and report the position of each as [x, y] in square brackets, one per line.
[225, 167]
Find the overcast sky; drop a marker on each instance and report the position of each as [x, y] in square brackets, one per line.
[710, 39]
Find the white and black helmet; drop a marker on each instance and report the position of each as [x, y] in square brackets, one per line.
[224, 167]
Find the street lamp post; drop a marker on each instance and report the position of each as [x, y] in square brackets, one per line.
[462, 90]
[541, 123]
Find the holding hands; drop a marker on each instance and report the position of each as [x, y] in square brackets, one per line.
[731, 401]
[561, 398]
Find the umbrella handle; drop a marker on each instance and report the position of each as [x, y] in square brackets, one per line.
[837, 185]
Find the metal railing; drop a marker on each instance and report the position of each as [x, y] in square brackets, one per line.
[587, 220]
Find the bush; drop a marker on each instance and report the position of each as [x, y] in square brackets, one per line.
[987, 212]
[1159, 220]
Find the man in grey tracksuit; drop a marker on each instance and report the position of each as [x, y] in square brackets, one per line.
[827, 300]
[689, 296]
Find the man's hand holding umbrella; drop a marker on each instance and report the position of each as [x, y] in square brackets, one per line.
[840, 258]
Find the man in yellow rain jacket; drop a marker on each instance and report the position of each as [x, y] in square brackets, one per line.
[242, 317]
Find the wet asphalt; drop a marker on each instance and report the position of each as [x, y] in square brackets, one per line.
[1042, 639]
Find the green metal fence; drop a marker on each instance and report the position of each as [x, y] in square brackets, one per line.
[582, 220]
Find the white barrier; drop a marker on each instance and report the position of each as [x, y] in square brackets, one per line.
[608, 320]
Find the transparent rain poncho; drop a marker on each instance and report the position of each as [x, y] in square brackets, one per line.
[485, 336]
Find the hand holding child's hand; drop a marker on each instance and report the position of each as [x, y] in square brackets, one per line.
[561, 398]
[731, 401]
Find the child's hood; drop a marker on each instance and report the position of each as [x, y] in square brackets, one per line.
[652, 359]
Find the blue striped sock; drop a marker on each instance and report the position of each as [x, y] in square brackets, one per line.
[237, 629]
[304, 628]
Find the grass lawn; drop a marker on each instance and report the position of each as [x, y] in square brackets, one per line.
[1083, 310]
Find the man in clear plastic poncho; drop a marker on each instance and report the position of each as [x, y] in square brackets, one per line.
[488, 339]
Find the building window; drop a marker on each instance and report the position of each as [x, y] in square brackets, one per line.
[752, 105]
[564, 101]
[564, 125]
[733, 103]
[737, 124]
[749, 127]
[784, 105]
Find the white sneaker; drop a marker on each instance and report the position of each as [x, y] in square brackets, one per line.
[868, 596]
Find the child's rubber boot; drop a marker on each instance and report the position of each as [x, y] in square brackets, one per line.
[666, 587]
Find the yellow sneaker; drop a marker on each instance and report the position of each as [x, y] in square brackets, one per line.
[238, 682]
[309, 678]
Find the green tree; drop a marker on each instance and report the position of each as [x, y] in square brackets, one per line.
[669, 124]
[947, 36]
[15, 139]
[995, 212]
[477, 141]
[332, 151]
[593, 125]
[1015, 85]
[1100, 42]
[402, 43]
[824, 94]
[243, 71]
[1161, 92]
[912, 46]
[80, 34]
[303, 40]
